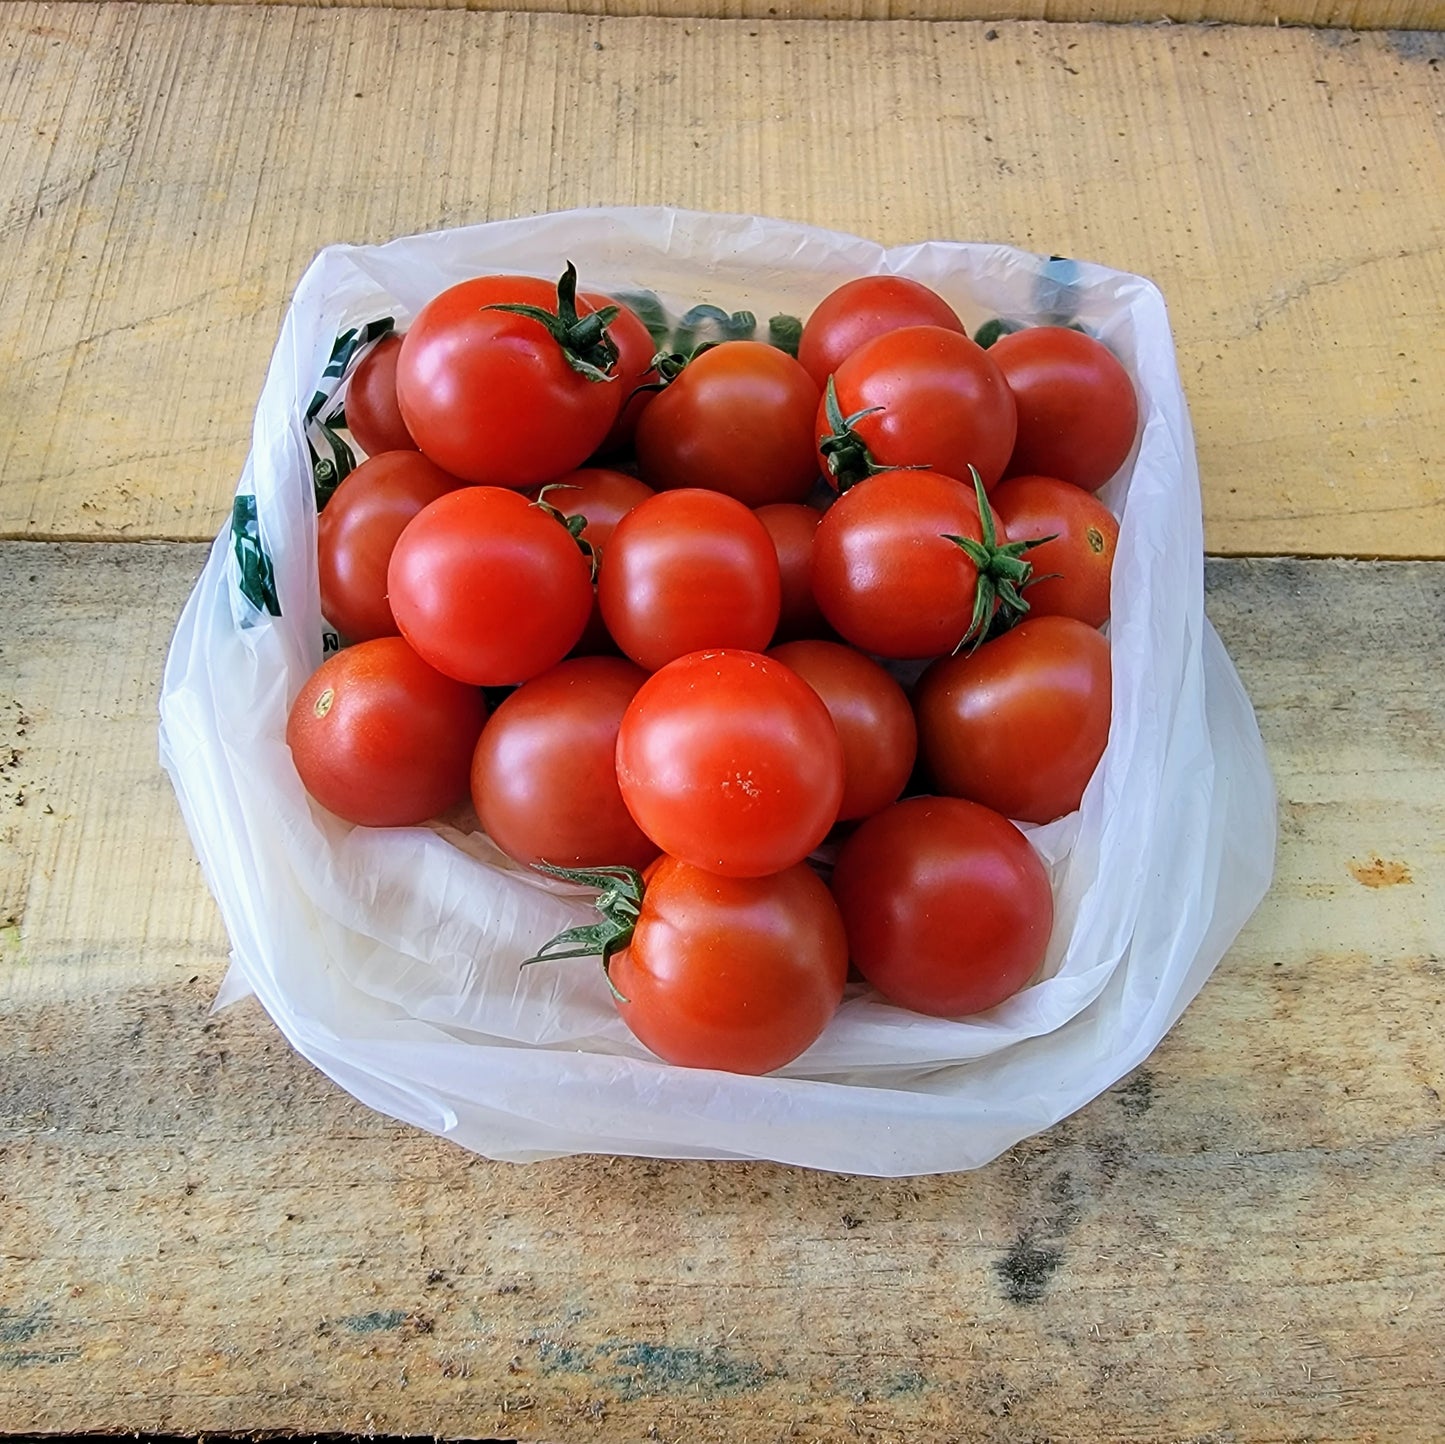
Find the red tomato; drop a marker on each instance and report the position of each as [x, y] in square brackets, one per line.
[372, 414]
[884, 572]
[357, 530]
[792, 527]
[382, 739]
[1076, 405]
[940, 401]
[860, 310]
[1020, 724]
[1072, 571]
[489, 587]
[635, 350]
[737, 419]
[729, 760]
[873, 718]
[544, 778]
[602, 498]
[491, 395]
[685, 570]
[740, 974]
[947, 908]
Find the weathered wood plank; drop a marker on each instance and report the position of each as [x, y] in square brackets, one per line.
[200, 1233]
[171, 170]
[1360, 14]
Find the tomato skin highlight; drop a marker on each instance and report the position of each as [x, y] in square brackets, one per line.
[873, 717]
[947, 908]
[861, 309]
[488, 587]
[373, 416]
[489, 395]
[382, 739]
[729, 760]
[1020, 724]
[1077, 408]
[941, 402]
[357, 531]
[543, 777]
[793, 528]
[1073, 571]
[737, 419]
[685, 570]
[884, 574]
[740, 974]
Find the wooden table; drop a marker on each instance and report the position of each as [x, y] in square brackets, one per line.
[1242, 1241]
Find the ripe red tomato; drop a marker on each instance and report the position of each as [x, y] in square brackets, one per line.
[940, 401]
[792, 526]
[1077, 411]
[737, 419]
[382, 739]
[635, 350]
[884, 572]
[741, 974]
[1072, 571]
[729, 760]
[602, 498]
[857, 311]
[489, 587]
[948, 909]
[372, 414]
[544, 777]
[357, 530]
[685, 570]
[873, 718]
[1020, 724]
[491, 396]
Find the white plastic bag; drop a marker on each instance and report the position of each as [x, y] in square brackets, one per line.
[389, 958]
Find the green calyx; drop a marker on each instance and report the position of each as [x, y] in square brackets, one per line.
[619, 903]
[1003, 573]
[575, 525]
[586, 346]
[844, 452]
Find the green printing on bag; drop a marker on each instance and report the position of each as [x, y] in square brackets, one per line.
[325, 421]
[257, 578]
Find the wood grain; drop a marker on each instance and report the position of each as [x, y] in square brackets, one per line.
[1361, 14]
[1241, 1242]
[170, 171]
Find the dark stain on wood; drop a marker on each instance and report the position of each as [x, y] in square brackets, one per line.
[1025, 1270]
[637, 1369]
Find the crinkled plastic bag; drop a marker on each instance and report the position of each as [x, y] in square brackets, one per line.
[389, 958]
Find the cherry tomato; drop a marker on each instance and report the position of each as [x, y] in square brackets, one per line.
[740, 974]
[357, 530]
[857, 311]
[602, 498]
[372, 414]
[491, 395]
[1076, 405]
[544, 778]
[922, 396]
[884, 572]
[382, 739]
[1020, 724]
[685, 570]
[947, 908]
[1072, 571]
[635, 350]
[737, 419]
[792, 527]
[730, 761]
[489, 587]
[873, 718]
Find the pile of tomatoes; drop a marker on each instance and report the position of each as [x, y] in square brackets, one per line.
[703, 630]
